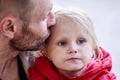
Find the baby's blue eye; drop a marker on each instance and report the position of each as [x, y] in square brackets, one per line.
[81, 41]
[62, 43]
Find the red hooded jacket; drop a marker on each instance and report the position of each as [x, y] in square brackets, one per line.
[96, 70]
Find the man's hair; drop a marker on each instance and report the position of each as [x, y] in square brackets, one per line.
[17, 8]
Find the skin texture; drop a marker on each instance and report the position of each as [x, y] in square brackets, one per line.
[69, 47]
[34, 32]
[22, 32]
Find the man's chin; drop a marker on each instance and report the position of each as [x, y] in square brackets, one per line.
[30, 48]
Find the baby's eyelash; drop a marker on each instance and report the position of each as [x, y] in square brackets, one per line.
[81, 41]
[61, 43]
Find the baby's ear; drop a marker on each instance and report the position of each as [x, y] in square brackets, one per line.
[43, 51]
[94, 54]
[98, 53]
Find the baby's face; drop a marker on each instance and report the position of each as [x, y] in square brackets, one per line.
[69, 47]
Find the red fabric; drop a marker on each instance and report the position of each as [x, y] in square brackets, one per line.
[96, 70]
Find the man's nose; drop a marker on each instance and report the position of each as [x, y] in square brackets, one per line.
[51, 19]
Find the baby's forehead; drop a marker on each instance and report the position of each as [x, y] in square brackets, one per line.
[68, 21]
[69, 27]
[64, 20]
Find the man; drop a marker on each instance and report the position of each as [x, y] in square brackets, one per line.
[23, 26]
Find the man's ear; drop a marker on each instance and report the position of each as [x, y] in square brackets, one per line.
[7, 27]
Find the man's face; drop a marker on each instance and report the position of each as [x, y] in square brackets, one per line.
[34, 32]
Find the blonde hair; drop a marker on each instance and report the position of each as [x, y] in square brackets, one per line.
[81, 18]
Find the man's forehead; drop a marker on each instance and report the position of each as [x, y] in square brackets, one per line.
[42, 3]
[41, 7]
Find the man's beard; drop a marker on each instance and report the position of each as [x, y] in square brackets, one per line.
[27, 40]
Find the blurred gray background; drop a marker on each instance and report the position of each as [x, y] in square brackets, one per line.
[105, 15]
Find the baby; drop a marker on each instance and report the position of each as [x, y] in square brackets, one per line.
[72, 51]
